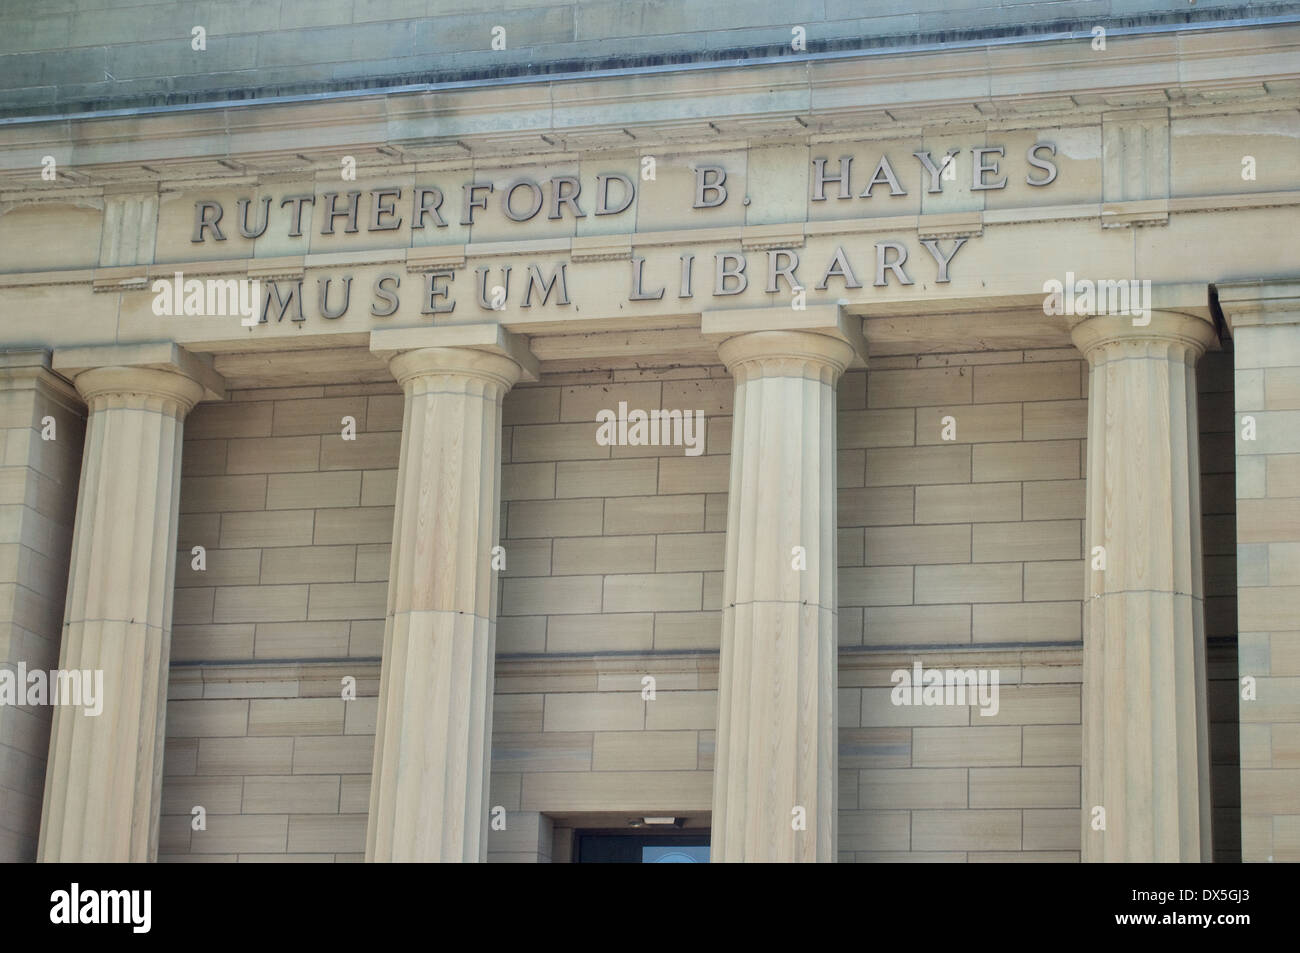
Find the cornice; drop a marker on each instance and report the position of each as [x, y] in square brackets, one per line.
[886, 93]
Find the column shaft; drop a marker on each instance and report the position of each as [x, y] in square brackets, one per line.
[1145, 724]
[774, 793]
[428, 798]
[104, 775]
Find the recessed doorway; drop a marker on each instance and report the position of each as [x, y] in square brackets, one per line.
[642, 847]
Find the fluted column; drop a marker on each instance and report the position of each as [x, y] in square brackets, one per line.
[776, 738]
[1145, 726]
[104, 775]
[428, 796]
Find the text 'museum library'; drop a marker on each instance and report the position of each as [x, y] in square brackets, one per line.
[649, 432]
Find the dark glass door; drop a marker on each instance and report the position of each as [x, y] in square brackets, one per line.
[641, 847]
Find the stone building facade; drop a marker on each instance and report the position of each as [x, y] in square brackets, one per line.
[461, 435]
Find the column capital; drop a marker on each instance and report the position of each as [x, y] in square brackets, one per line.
[486, 351]
[1258, 302]
[161, 370]
[784, 352]
[29, 368]
[22, 366]
[825, 321]
[1091, 333]
[455, 361]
